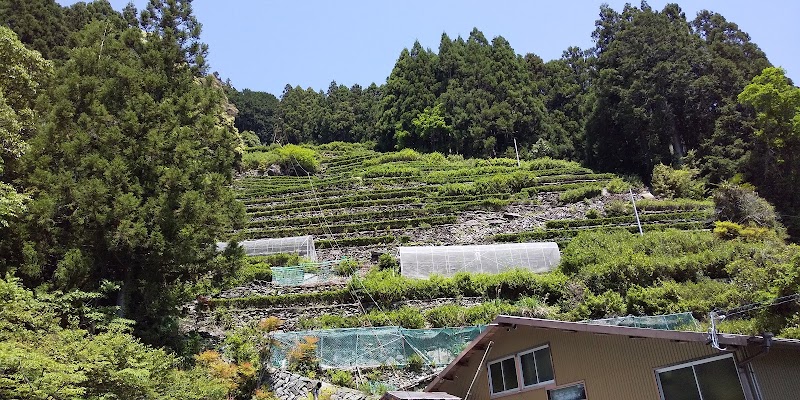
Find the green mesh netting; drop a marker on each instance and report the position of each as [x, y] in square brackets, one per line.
[306, 273]
[288, 276]
[680, 321]
[374, 347]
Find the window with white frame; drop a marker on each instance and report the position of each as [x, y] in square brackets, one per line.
[503, 375]
[707, 379]
[571, 392]
[537, 368]
[528, 369]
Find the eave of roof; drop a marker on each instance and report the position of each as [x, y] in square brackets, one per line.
[502, 321]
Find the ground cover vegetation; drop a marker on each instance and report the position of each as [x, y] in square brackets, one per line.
[124, 161]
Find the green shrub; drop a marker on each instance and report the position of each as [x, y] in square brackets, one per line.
[676, 183]
[292, 159]
[742, 205]
[250, 139]
[414, 363]
[446, 316]
[386, 261]
[299, 159]
[346, 267]
[532, 307]
[578, 194]
[342, 378]
[731, 230]
[618, 208]
[593, 214]
[402, 155]
[617, 185]
[607, 305]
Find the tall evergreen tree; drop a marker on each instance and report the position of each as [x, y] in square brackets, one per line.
[410, 88]
[650, 76]
[40, 24]
[130, 175]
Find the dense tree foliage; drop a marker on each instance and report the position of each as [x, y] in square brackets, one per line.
[129, 173]
[256, 112]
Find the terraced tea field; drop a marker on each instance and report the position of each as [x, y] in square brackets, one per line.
[362, 202]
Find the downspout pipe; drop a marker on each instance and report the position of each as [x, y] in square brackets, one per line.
[766, 343]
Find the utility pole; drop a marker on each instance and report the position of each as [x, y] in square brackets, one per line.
[516, 151]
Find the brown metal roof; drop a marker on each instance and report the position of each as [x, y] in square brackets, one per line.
[503, 321]
[418, 396]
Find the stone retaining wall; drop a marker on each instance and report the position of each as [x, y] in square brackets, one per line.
[288, 386]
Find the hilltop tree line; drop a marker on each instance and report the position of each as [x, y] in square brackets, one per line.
[656, 88]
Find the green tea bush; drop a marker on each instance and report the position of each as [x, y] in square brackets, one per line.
[387, 261]
[346, 267]
[617, 185]
[549, 163]
[532, 307]
[391, 170]
[291, 158]
[619, 260]
[672, 205]
[446, 316]
[578, 194]
[593, 214]
[402, 155]
[607, 305]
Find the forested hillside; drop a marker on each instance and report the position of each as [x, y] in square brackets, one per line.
[125, 160]
[657, 88]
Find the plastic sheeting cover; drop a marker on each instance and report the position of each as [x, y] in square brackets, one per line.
[424, 261]
[300, 245]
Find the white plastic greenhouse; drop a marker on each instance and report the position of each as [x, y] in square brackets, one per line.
[424, 261]
[300, 245]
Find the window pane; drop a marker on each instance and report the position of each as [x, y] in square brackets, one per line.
[528, 370]
[574, 392]
[543, 364]
[719, 380]
[496, 372]
[510, 373]
[679, 384]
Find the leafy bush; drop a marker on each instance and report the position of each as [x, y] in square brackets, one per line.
[742, 205]
[731, 230]
[346, 267]
[617, 185]
[578, 194]
[250, 139]
[341, 378]
[303, 357]
[402, 155]
[299, 159]
[677, 183]
[549, 163]
[414, 363]
[593, 214]
[670, 205]
[618, 208]
[386, 261]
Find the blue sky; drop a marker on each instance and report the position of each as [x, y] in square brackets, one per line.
[263, 45]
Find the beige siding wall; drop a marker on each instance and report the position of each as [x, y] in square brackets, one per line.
[612, 367]
[778, 374]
